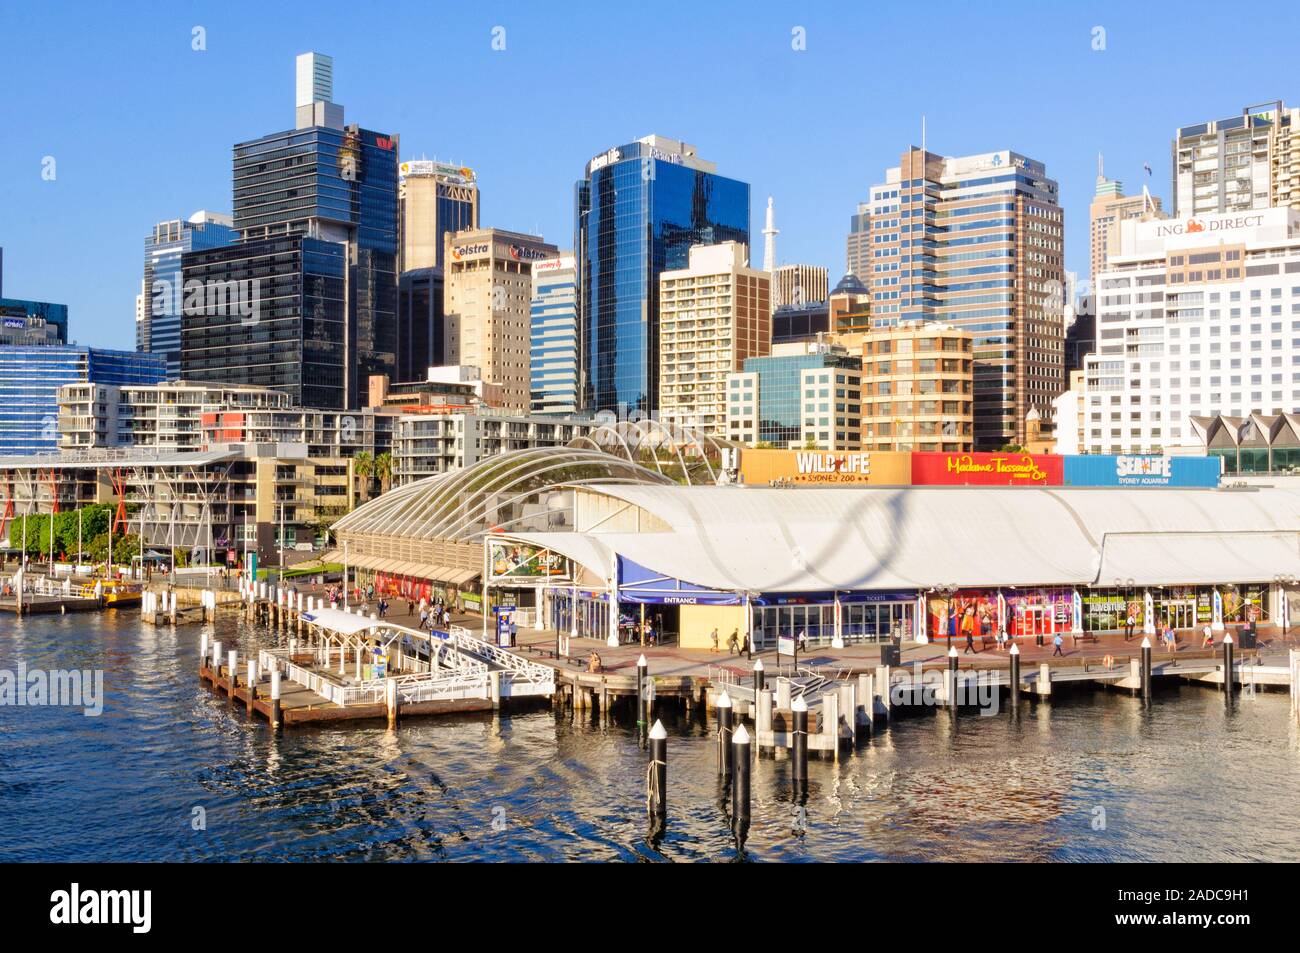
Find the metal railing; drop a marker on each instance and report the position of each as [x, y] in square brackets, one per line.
[520, 669]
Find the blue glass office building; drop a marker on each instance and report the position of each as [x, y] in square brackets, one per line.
[554, 337]
[780, 403]
[30, 378]
[160, 331]
[15, 310]
[638, 211]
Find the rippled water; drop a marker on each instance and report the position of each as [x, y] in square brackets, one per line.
[1188, 780]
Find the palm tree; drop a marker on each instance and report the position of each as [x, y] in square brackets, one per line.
[384, 470]
[363, 465]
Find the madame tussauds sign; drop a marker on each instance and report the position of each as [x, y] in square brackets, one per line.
[987, 469]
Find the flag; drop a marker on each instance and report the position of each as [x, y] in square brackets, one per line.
[1217, 621]
[1149, 616]
[920, 618]
[1147, 166]
[1002, 612]
[1077, 613]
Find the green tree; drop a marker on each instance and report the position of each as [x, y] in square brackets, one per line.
[363, 465]
[810, 443]
[384, 470]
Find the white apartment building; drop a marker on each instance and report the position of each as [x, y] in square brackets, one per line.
[426, 444]
[713, 314]
[1246, 162]
[192, 416]
[1196, 317]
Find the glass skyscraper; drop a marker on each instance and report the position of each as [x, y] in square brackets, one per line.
[30, 378]
[554, 337]
[638, 210]
[163, 279]
[316, 212]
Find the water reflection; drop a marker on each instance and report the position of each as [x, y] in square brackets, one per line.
[1085, 777]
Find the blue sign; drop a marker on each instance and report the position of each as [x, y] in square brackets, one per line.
[1141, 470]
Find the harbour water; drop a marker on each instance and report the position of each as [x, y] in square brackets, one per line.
[170, 772]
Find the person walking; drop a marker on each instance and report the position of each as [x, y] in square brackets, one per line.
[1058, 642]
[970, 642]
[1129, 623]
[733, 643]
[713, 637]
[744, 646]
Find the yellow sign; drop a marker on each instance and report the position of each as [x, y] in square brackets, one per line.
[830, 468]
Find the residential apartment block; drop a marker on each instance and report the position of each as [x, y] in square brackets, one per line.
[713, 315]
[803, 394]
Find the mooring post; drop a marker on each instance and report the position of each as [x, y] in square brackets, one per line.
[1146, 668]
[1015, 673]
[390, 696]
[252, 683]
[203, 650]
[658, 771]
[952, 677]
[1044, 679]
[1227, 663]
[725, 714]
[642, 667]
[740, 782]
[799, 741]
[277, 720]
[760, 679]
[231, 670]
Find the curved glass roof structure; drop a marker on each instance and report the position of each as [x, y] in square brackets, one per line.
[523, 490]
[679, 453]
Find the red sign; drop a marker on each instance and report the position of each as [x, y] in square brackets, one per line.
[987, 469]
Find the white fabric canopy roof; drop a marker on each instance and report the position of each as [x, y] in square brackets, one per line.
[346, 623]
[806, 539]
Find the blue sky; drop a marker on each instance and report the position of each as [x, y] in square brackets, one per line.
[141, 125]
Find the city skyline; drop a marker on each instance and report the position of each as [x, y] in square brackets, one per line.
[115, 174]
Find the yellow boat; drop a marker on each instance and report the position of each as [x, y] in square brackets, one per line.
[118, 593]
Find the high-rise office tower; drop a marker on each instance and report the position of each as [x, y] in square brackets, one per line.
[158, 326]
[858, 244]
[713, 315]
[489, 306]
[1110, 206]
[554, 346]
[434, 198]
[421, 323]
[638, 210]
[977, 242]
[798, 285]
[315, 268]
[1251, 161]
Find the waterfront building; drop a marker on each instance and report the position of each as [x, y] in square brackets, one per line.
[158, 319]
[1195, 318]
[639, 208]
[314, 274]
[917, 384]
[591, 541]
[489, 306]
[977, 242]
[714, 315]
[804, 394]
[1109, 207]
[192, 416]
[434, 200]
[442, 439]
[1258, 443]
[553, 346]
[228, 500]
[1241, 163]
[30, 378]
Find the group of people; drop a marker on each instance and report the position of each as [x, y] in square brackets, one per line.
[434, 616]
[737, 644]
